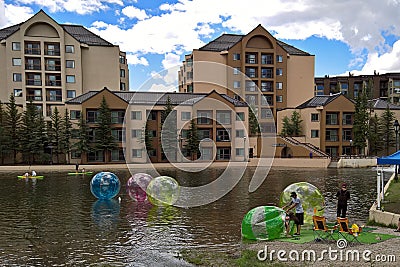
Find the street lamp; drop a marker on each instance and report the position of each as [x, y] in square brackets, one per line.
[351, 147]
[244, 148]
[396, 126]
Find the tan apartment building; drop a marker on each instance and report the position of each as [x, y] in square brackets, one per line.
[49, 63]
[266, 73]
[221, 125]
[385, 86]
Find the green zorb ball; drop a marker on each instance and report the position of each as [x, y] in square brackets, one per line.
[311, 199]
[163, 191]
[263, 223]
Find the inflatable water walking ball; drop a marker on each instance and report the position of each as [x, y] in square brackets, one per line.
[163, 190]
[263, 223]
[105, 185]
[311, 199]
[137, 185]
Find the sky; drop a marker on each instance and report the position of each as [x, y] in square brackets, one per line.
[357, 36]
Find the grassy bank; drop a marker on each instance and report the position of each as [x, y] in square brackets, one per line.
[392, 198]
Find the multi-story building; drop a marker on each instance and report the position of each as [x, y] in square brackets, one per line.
[221, 123]
[49, 63]
[265, 72]
[385, 86]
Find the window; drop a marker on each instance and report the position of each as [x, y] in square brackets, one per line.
[266, 59]
[118, 134]
[33, 64]
[122, 73]
[75, 154]
[185, 116]
[122, 86]
[236, 84]
[206, 153]
[121, 59]
[69, 49]
[223, 153]
[203, 134]
[135, 133]
[204, 117]
[223, 135]
[18, 92]
[279, 99]
[71, 93]
[117, 155]
[314, 133]
[53, 80]
[239, 151]
[314, 117]
[240, 116]
[332, 135]
[117, 116]
[54, 95]
[152, 133]
[92, 116]
[136, 115]
[33, 94]
[279, 85]
[347, 136]
[279, 58]
[16, 46]
[266, 73]
[151, 115]
[266, 113]
[70, 78]
[279, 72]
[236, 56]
[251, 58]
[250, 86]
[75, 114]
[96, 156]
[251, 72]
[32, 48]
[136, 153]
[236, 71]
[347, 119]
[240, 133]
[252, 99]
[70, 64]
[266, 87]
[17, 62]
[332, 119]
[223, 117]
[33, 79]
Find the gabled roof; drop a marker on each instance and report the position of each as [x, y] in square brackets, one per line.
[154, 98]
[80, 33]
[317, 101]
[226, 41]
[378, 103]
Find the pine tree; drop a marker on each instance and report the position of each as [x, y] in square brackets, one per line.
[5, 139]
[83, 143]
[31, 134]
[286, 127]
[168, 131]
[66, 127]
[56, 133]
[253, 122]
[12, 126]
[192, 141]
[386, 130]
[105, 141]
[374, 138]
[296, 121]
[361, 119]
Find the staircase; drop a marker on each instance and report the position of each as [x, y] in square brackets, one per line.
[315, 150]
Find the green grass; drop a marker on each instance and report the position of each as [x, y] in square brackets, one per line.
[392, 198]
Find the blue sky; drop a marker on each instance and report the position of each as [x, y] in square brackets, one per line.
[357, 36]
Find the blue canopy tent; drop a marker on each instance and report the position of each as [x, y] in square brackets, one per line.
[393, 159]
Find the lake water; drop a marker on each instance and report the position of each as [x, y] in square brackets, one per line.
[58, 222]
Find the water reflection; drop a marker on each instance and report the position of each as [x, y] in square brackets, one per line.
[105, 213]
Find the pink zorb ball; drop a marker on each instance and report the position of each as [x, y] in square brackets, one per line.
[137, 185]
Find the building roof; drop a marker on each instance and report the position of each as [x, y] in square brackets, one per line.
[154, 98]
[80, 33]
[320, 100]
[379, 103]
[226, 41]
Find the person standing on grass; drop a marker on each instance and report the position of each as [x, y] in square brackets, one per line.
[343, 196]
[76, 167]
[295, 202]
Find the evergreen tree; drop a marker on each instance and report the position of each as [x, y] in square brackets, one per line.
[254, 126]
[66, 127]
[374, 138]
[30, 129]
[286, 127]
[296, 121]
[192, 141]
[386, 129]
[83, 143]
[12, 126]
[105, 141]
[168, 131]
[146, 138]
[361, 119]
[56, 134]
[4, 136]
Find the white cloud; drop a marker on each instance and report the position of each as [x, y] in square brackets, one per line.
[162, 88]
[136, 60]
[17, 14]
[133, 12]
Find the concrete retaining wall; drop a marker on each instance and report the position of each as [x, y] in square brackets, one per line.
[356, 163]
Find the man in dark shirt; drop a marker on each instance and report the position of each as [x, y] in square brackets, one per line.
[343, 196]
